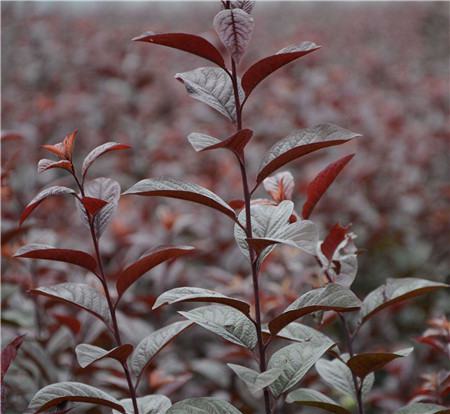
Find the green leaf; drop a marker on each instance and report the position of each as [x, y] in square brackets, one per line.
[295, 361]
[172, 188]
[54, 394]
[332, 297]
[255, 380]
[194, 294]
[338, 375]
[149, 347]
[364, 364]
[150, 404]
[394, 291]
[226, 322]
[203, 405]
[88, 354]
[81, 295]
[421, 408]
[300, 143]
[313, 398]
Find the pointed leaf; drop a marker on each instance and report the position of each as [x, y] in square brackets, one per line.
[8, 355]
[150, 404]
[93, 205]
[225, 321]
[280, 186]
[147, 262]
[295, 361]
[234, 28]
[203, 405]
[48, 192]
[45, 164]
[99, 151]
[42, 251]
[334, 238]
[105, 189]
[332, 297]
[187, 42]
[55, 394]
[194, 294]
[88, 354]
[317, 187]
[338, 375]
[213, 87]
[246, 5]
[298, 332]
[364, 364]
[151, 345]
[185, 191]
[394, 291]
[313, 398]
[201, 142]
[255, 380]
[264, 67]
[423, 408]
[78, 294]
[302, 142]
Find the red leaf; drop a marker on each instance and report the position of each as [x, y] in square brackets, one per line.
[99, 151]
[93, 205]
[147, 262]
[9, 353]
[264, 67]
[235, 143]
[236, 204]
[72, 323]
[45, 164]
[333, 239]
[42, 251]
[320, 184]
[48, 192]
[187, 42]
[63, 149]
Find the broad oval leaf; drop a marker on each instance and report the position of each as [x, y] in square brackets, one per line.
[81, 295]
[203, 405]
[147, 262]
[256, 381]
[225, 321]
[150, 404]
[302, 142]
[88, 354]
[234, 28]
[93, 205]
[184, 191]
[194, 294]
[313, 398]
[186, 42]
[423, 408]
[213, 87]
[48, 192]
[264, 67]
[105, 189]
[338, 375]
[319, 185]
[55, 394]
[149, 347]
[99, 151]
[45, 252]
[394, 291]
[364, 364]
[295, 361]
[332, 297]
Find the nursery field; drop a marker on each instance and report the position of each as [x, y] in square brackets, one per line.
[359, 245]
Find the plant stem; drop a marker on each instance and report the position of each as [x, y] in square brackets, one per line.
[112, 309]
[249, 234]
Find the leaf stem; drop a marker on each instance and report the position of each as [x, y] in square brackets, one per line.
[112, 309]
[249, 233]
